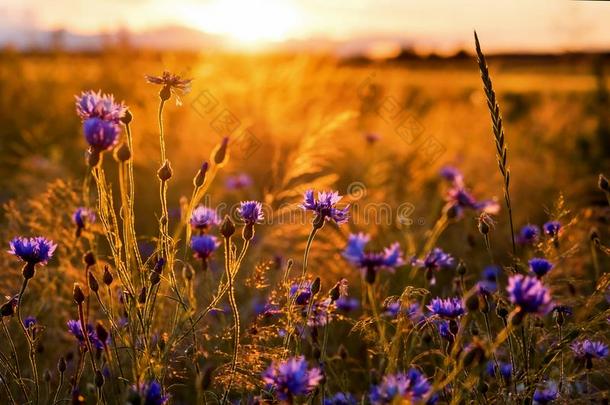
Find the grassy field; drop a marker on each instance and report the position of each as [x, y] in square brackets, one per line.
[377, 133]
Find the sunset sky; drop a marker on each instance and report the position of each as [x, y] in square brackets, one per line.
[441, 25]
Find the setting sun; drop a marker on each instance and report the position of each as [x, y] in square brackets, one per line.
[246, 21]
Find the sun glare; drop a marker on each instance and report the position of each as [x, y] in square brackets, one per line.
[246, 21]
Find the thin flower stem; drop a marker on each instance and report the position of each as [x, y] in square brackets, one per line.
[61, 382]
[161, 135]
[8, 390]
[32, 349]
[16, 359]
[378, 321]
[235, 311]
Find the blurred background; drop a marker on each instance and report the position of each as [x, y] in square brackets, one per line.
[322, 94]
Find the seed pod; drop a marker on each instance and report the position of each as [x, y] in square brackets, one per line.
[335, 292]
[165, 172]
[227, 228]
[93, 284]
[107, 278]
[221, 152]
[8, 308]
[472, 302]
[199, 179]
[46, 376]
[122, 153]
[165, 93]
[93, 157]
[155, 278]
[127, 117]
[461, 268]
[61, 364]
[78, 294]
[315, 286]
[603, 183]
[99, 379]
[89, 259]
[102, 332]
[248, 232]
[343, 353]
[142, 296]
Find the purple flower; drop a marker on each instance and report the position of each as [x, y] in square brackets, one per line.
[238, 182]
[449, 308]
[171, 81]
[506, 370]
[458, 199]
[341, 398]
[100, 134]
[302, 292]
[148, 393]
[203, 218]
[371, 262]
[372, 137]
[529, 294]
[435, 260]
[529, 234]
[251, 212]
[540, 266]
[546, 394]
[489, 280]
[97, 105]
[452, 175]
[589, 349]
[75, 328]
[347, 304]
[36, 250]
[444, 330]
[552, 228]
[204, 245]
[30, 321]
[291, 378]
[325, 207]
[320, 313]
[411, 386]
[83, 216]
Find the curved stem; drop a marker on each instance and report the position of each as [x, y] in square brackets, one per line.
[32, 349]
[235, 312]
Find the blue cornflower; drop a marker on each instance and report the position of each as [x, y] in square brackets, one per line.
[506, 369]
[552, 228]
[444, 330]
[459, 198]
[33, 251]
[411, 386]
[101, 135]
[347, 304]
[203, 218]
[75, 328]
[148, 393]
[302, 292]
[341, 398]
[435, 260]
[449, 308]
[589, 349]
[92, 104]
[251, 212]
[489, 280]
[291, 378]
[325, 207]
[529, 234]
[452, 174]
[30, 321]
[529, 294]
[371, 262]
[238, 182]
[540, 266]
[204, 245]
[543, 396]
[83, 216]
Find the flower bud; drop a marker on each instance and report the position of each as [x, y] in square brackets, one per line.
[155, 278]
[127, 117]
[472, 302]
[89, 259]
[78, 294]
[142, 296]
[227, 228]
[517, 317]
[93, 284]
[220, 153]
[93, 157]
[165, 93]
[61, 364]
[107, 278]
[46, 376]
[8, 308]
[315, 286]
[122, 153]
[165, 172]
[102, 332]
[461, 268]
[335, 292]
[248, 231]
[99, 379]
[603, 184]
[199, 179]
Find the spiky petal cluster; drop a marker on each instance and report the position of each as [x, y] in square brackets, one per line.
[435, 260]
[589, 349]
[147, 393]
[203, 218]
[552, 228]
[459, 198]
[341, 398]
[545, 395]
[172, 81]
[325, 207]
[204, 245]
[489, 280]
[251, 212]
[291, 378]
[410, 387]
[540, 266]
[91, 104]
[529, 234]
[449, 308]
[529, 294]
[75, 328]
[388, 259]
[83, 216]
[33, 251]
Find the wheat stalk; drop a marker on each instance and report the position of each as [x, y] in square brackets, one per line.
[498, 131]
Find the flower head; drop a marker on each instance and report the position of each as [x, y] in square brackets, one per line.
[459, 198]
[529, 294]
[589, 349]
[325, 207]
[388, 259]
[435, 260]
[292, 377]
[36, 250]
[529, 234]
[92, 104]
[100, 134]
[506, 369]
[545, 395]
[203, 218]
[540, 266]
[411, 386]
[238, 182]
[204, 245]
[251, 212]
[301, 291]
[452, 175]
[147, 393]
[75, 328]
[341, 398]
[29, 322]
[552, 228]
[83, 216]
[171, 80]
[489, 280]
[347, 304]
[450, 308]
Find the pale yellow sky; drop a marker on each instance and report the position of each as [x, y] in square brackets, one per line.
[441, 24]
